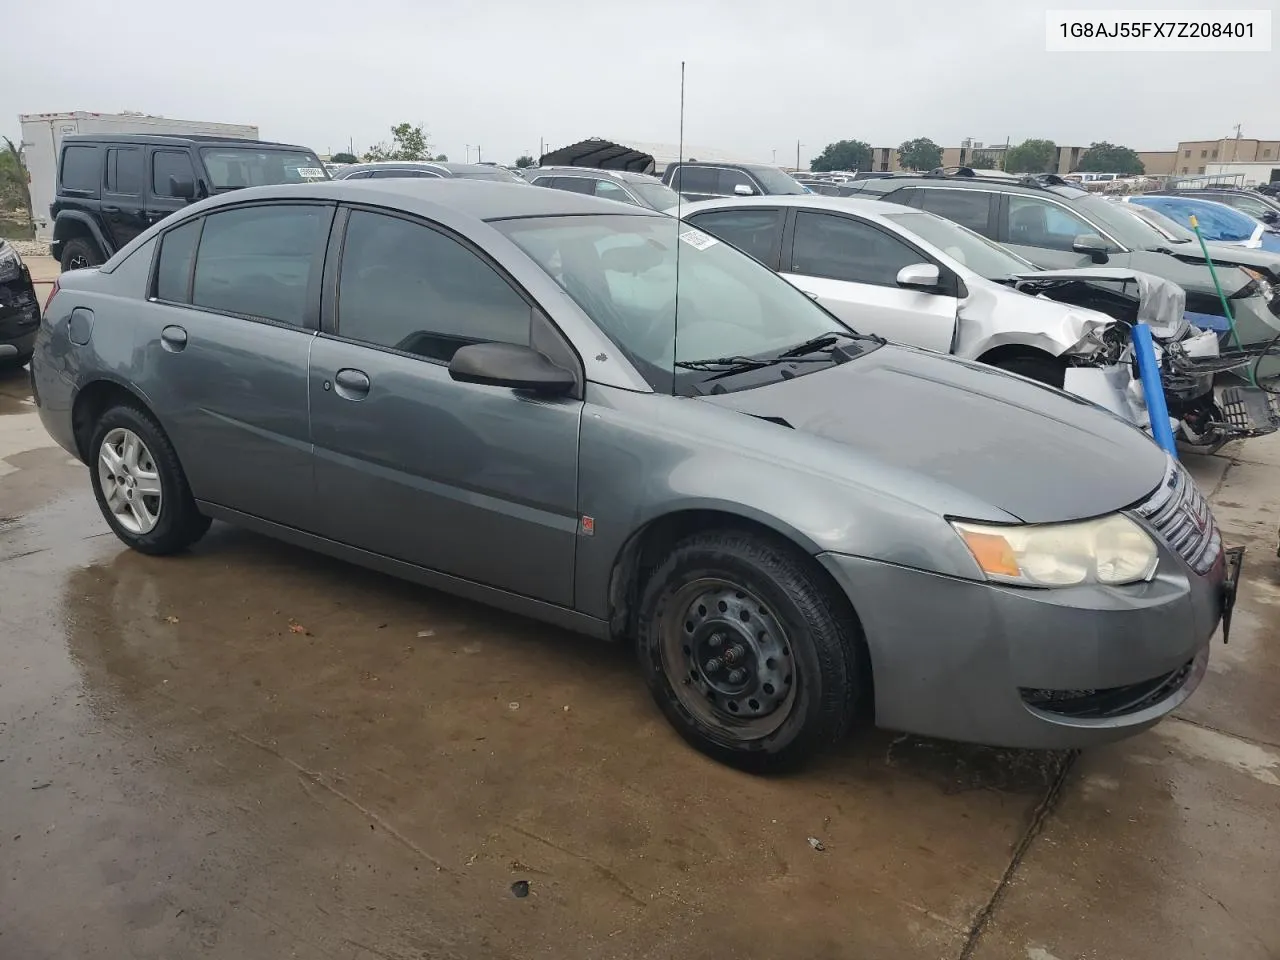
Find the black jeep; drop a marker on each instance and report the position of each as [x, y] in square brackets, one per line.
[111, 188]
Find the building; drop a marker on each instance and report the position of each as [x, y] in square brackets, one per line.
[1195, 156]
[1158, 163]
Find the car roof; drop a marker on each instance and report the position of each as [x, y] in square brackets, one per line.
[859, 205]
[481, 200]
[201, 140]
[733, 164]
[626, 176]
[1031, 185]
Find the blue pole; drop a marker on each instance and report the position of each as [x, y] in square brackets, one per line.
[1153, 389]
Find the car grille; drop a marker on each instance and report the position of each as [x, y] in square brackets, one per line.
[1111, 701]
[1180, 514]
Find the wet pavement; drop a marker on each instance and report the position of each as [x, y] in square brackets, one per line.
[255, 752]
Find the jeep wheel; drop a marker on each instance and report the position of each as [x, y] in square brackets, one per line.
[79, 253]
[747, 652]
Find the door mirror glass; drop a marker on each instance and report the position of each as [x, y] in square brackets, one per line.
[742, 190]
[1092, 245]
[182, 188]
[510, 365]
[919, 276]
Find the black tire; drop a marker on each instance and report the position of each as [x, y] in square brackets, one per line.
[79, 253]
[1045, 369]
[772, 590]
[178, 523]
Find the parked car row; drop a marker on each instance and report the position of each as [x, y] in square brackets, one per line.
[801, 527]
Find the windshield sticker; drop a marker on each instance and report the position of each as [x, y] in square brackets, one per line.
[311, 173]
[697, 239]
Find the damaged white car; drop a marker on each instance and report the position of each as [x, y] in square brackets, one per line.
[916, 278]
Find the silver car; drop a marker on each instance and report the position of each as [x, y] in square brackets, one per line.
[494, 391]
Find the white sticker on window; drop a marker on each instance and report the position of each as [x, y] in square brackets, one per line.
[311, 173]
[697, 239]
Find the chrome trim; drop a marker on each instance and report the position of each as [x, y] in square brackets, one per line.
[1180, 514]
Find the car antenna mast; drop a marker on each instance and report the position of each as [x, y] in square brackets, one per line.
[675, 316]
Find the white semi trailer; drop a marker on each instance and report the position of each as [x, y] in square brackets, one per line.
[42, 135]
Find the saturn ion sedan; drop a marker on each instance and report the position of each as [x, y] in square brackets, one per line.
[496, 392]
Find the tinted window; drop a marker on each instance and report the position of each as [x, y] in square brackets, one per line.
[729, 179]
[257, 261]
[81, 168]
[125, 173]
[694, 180]
[398, 174]
[844, 249]
[173, 273]
[252, 167]
[751, 231]
[1254, 208]
[166, 164]
[969, 208]
[576, 185]
[611, 191]
[1037, 223]
[406, 286]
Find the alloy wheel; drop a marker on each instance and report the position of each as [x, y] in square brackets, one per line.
[130, 481]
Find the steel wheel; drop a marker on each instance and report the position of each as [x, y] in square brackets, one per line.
[728, 658]
[130, 481]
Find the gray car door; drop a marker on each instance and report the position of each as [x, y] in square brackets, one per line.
[224, 343]
[476, 481]
[1044, 231]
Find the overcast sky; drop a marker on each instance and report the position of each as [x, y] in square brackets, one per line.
[760, 76]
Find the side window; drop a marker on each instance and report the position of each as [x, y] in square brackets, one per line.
[969, 208]
[754, 231]
[124, 171]
[409, 287]
[173, 272]
[576, 185]
[844, 249]
[729, 180]
[168, 166]
[1036, 223]
[360, 175]
[611, 191]
[81, 168]
[907, 196]
[257, 261]
[694, 180]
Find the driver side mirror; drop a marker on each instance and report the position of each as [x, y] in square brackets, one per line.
[510, 365]
[920, 276]
[1271, 216]
[742, 190]
[182, 187]
[1093, 246]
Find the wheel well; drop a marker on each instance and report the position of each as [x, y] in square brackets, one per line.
[73, 230]
[1016, 351]
[649, 545]
[91, 403]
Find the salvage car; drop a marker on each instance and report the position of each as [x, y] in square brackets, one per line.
[19, 308]
[1255, 204]
[494, 391]
[1217, 221]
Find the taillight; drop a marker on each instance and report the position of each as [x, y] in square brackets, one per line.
[52, 293]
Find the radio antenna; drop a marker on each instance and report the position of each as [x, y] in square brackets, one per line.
[675, 317]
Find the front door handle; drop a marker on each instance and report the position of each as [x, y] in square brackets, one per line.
[351, 384]
[173, 338]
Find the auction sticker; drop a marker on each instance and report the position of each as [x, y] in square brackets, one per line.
[311, 173]
[697, 239]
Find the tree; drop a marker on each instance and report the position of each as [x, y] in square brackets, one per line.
[524, 160]
[983, 160]
[441, 158]
[344, 157]
[1106, 157]
[920, 154]
[407, 143]
[1032, 156]
[15, 191]
[843, 155]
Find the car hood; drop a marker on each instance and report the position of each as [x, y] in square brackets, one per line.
[1266, 262]
[1190, 273]
[1034, 452]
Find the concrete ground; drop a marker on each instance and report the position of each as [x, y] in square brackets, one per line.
[254, 752]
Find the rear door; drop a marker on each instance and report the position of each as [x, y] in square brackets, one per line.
[475, 481]
[754, 230]
[233, 310]
[123, 206]
[851, 267]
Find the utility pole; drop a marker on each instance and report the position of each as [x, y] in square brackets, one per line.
[1235, 150]
[775, 156]
[477, 153]
[798, 146]
[467, 147]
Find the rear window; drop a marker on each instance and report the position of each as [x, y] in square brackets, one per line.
[81, 168]
[231, 167]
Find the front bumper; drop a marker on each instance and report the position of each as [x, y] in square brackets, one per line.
[1005, 666]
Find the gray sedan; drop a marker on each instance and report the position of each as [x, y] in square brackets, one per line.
[493, 391]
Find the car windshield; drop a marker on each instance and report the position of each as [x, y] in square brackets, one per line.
[1217, 220]
[656, 195]
[961, 244]
[621, 270]
[1172, 230]
[1133, 232]
[255, 166]
[775, 182]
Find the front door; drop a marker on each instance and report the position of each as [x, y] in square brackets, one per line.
[123, 208]
[475, 481]
[165, 169]
[851, 268]
[225, 349]
[1045, 232]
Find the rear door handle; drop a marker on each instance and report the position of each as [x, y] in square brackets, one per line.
[351, 384]
[173, 338]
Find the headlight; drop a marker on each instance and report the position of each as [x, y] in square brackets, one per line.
[1264, 285]
[10, 264]
[1111, 550]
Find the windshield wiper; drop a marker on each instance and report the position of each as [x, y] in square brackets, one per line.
[821, 342]
[727, 366]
